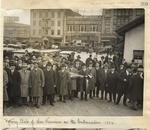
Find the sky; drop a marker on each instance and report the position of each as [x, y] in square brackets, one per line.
[24, 15]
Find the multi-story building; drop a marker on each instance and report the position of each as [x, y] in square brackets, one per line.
[114, 19]
[48, 24]
[84, 28]
[16, 31]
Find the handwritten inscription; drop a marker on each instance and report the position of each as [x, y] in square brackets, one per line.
[49, 121]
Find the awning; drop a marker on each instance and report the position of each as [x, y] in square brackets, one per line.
[45, 39]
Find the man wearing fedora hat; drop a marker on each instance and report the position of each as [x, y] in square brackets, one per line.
[36, 82]
[24, 84]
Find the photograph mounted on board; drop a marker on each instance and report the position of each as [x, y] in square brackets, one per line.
[72, 62]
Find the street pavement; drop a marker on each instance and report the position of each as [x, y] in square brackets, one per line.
[92, 107]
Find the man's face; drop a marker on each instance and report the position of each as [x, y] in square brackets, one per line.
[112, 69]
[83, 67]
[24, 68]
[106, 68]
[49, 67]
[97, 65]
[35, 65]
[90, 65]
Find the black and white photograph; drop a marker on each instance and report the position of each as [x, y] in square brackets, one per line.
[73, 62]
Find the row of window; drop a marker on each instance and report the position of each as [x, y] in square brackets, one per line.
[82, 28]
[16, 32]
[46, 32]
[46, 23]
[46, 14]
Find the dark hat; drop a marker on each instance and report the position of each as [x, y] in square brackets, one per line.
[102, 57]
[49, 64]
[78, 56]
[12, 63]
[63, 65]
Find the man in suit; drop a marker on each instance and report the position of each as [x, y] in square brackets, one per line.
[92, 78]
[103, 76]
[50, 84]
[123, 83]
[62, 83]
[37, 82]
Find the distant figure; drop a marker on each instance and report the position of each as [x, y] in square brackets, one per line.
[88, 60]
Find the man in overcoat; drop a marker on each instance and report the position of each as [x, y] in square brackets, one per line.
[14, 85]
[72, 86]
[37, 82]
[62, 83]
[24, 84]
[92, 78]
[50, 83]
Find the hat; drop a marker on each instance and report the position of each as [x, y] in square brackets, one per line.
[12, 63]
[63, 65]
[102, 57]
[79, 56]
[49, 64]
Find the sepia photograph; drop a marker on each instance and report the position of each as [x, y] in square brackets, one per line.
[73, 62]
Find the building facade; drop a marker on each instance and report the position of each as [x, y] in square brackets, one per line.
[48, 24]
[84, 28]
[133, 34]
[114, 19]
[16, 31]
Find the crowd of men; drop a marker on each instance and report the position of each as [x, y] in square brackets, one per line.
[27, 81]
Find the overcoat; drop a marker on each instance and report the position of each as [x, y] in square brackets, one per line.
[103, 77]
[122, 86]
[72, 81]
[24, 84]
[36, 81]
[50, 81]
[92, 78]
[14, 82]
[83, 81]
[98, 77]
[111, 82]
[137, 88]
[5, 81]
[62, 82]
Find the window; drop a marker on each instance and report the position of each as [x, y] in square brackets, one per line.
[59, 23]
[115, 21]
[70, 28]
[139, 12]
[67, 27]
[127, 12]
[119, 12]
[118, 21]
[52, 23]
[59, 14]
[34, 31]
[131, 12]
[40, 14]
[107, 30]
[46, 23]
[46, 14]
[34, 23]
[115, 12]
[52, 32]
[123, 12]
[53, 14]
[40, 23]
[40, 32]
[108, 12]
[58, 32]
[82, 28]
[107, 21]
[79, 27]
[46, 32]
[138, 54]
[34, 14]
